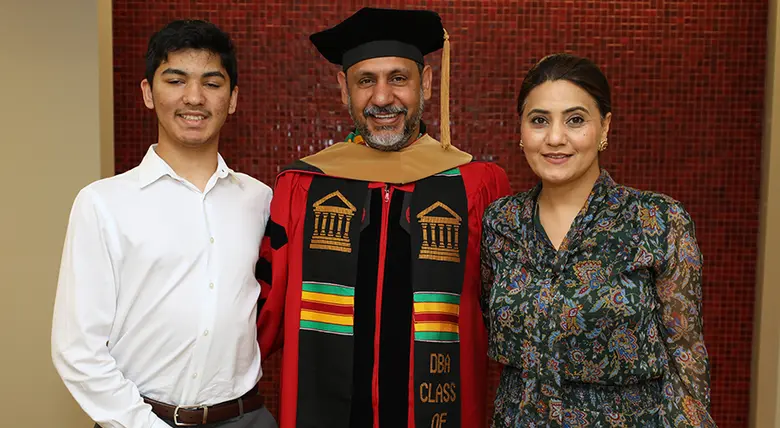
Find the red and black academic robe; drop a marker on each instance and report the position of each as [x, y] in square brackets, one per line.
[375, 287]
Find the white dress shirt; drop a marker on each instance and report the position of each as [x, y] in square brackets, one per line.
[157, 295]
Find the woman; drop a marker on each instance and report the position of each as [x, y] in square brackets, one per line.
[592, 290]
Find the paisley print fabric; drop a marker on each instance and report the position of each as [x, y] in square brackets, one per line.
[607, 330]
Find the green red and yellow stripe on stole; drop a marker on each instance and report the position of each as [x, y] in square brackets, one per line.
[327, 308]
[436, 317]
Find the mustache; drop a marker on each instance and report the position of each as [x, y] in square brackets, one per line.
[374, 110]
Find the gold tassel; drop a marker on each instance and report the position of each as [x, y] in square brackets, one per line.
[445, 93]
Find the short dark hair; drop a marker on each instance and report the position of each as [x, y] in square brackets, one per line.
[191, 34]
[577, 70]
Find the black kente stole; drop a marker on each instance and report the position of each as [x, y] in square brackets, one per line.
[437, 222]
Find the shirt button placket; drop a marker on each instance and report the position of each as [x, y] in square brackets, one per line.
[206, 302]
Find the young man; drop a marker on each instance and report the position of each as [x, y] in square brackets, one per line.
[374, 245]
[155, 315]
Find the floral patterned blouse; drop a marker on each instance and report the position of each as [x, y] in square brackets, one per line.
[607, 330]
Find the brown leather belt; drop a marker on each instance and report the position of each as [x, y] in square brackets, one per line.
[183, 416]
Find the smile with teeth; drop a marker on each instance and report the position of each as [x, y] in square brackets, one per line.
[557, 156]
[192, 117]
[385, 116]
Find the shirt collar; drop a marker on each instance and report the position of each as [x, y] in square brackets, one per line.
[153, 167]
[224, 171]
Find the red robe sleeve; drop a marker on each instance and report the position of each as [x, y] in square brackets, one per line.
[274, 255]
[499, 186]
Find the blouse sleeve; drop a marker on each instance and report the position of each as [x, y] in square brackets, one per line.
[687, 384]
[498, 188]
[486, 265]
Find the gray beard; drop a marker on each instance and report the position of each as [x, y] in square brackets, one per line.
[388, 142]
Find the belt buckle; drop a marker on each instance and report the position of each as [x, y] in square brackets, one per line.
[191, 407]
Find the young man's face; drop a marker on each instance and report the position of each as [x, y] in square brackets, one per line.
[191, 96]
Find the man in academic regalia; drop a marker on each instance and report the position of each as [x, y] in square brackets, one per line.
[372, 252]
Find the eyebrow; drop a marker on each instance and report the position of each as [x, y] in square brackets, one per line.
[175, 71]
[178, 72]
[213, 74]
[402, 70]
[567, 111]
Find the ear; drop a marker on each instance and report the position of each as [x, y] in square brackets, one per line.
[146, 92]
[233, 101]
[605, 126]
[427, 81]
[342, 77]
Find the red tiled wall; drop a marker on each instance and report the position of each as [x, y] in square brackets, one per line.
[687, 78]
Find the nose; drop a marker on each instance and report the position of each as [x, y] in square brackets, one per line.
[382, 94]
[193, 94]
[556, 135]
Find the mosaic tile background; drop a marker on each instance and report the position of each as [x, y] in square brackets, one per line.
[687, 79]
